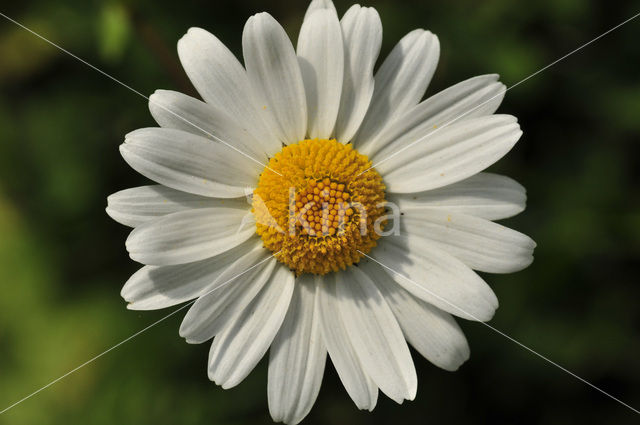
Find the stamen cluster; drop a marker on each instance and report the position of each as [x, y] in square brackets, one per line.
[323, 208]
[316, 205]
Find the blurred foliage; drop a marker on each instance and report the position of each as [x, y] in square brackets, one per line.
[114, 31]
[62, 260]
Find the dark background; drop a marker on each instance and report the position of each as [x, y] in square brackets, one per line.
[63, 262]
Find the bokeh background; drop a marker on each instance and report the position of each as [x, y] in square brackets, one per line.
[63, 262]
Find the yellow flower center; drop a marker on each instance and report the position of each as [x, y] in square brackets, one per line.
[317, 204]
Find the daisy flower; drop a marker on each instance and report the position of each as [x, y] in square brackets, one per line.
[358, 237]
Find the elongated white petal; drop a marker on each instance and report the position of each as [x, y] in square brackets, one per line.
[235, 287]
[321, 58]
[437, 277]
[172, 109]
[155, 287]
[431, 331]
[319, 5]
[362, 33]
[137, 205]
[401, 81]
[361, 388]
[247, 337]
[297, 357]
[484, 195]
[222, 82]
[275, 76]
[190, 163]
[190, 235]
[214, 71]
[475, 97]
[478, 243]
[448, 156]
[376, 335]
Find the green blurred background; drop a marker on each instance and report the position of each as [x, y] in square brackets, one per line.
[63, 262]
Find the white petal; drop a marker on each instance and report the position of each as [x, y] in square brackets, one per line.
[244, 340]
[401, 81]
[190, 163]
[431, 331]
[155, 287]
[475, 97]
[214, 71]
[229, 294]
[362, 33]
[450, 155]
[321, 58]
[319, 5]
[434, 276]
[484, 195]
[361, 388]
[297, 357]
[480, 244]
[137, 205]
[172, 109]
[275, 76]
[222, 81]
[190, 235]
[376, 335]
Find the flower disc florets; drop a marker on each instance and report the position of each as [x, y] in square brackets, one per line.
[317, 204]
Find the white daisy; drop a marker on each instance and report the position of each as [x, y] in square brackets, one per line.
[292, 272]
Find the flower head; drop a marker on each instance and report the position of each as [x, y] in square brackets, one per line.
[367, 209]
